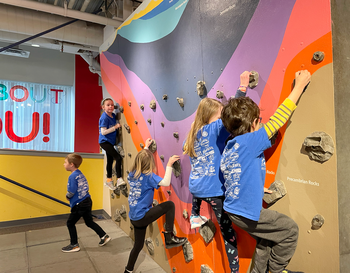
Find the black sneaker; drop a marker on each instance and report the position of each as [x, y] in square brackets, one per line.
[104, 240]
[71, 248]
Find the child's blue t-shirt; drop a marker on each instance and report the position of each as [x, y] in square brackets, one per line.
[206, 179]
[107, 122]
[244, 169]
[78, 185]
[141, 194]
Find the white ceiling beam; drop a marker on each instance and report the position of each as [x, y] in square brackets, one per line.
[85, 5]
[62, 12]
[56, 1]
[71, 4]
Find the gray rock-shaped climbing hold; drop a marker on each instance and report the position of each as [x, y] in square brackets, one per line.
[219, 94]
[112, 195]
[317, 222]
[176, 134]
[318, 56]
[206, 269]
[152, 104]
[127, 128]
[120, 150]
[165, 97]
[142, 107]
[174, 269]
[122, 212]
[155, 202]
[129, 103]
[319, 146]
[181, 101]
[188, 251]
[131, 226]
[136, 121]
[162, 157]
[153, 146]
[162, 123]
[150, 246]
[177, 168]
[185, 214]
[149, 121]
[117, 191]
[207, 230]
[129, 154]
[278, 191]
[253, 79]
[117, 217]
[124, 190]
[201, 88]
[127, 172]
[121, 109]
[141, 145]
[169, 192]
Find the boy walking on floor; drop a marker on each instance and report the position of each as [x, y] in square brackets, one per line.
[243, 166]
[80, 203]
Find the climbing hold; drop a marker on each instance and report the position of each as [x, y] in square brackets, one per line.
[149, 121]
[136, 121]
[152, 104]
[177, 168]
[120, 150]
[317, 222]
[253, 79]
[127, 172]
[155, 202]
[124, 190]
[162, 157]
[121, 109]
[141, 145]
[169, 192]
[116, 216]
[117, 191]
[156, 241]
[319, 146]
[201, 88]
[180, 101]
[131, 226]
[162, 123]
[127, 128]
[207, 230]
[153, 146]
[129, 154]
[278, 191]
[165, 97]
[129, 103]
[219, 94]
[174, 269]
[206, 269]
[112, 195]
[176, 134]
[318, 56]
[122, 212]
[188, 251]
[142, 107]
[150, 246]
[185, 214]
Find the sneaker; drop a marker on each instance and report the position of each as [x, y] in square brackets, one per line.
[71, 248]
[197, 221]
[104, 240]
[110, 185]
[289, 271]
[120, 182]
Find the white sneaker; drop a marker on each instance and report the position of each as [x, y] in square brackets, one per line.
[120, 182]
[110, 185]
[197, 221]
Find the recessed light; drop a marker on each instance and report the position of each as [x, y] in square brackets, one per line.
[35, 45]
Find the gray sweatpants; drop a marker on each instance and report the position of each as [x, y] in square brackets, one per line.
[276, 238]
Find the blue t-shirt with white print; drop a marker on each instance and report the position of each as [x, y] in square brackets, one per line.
[244, 169]
[141, 194]
[206, 180]
[78, 185]
[107, 122]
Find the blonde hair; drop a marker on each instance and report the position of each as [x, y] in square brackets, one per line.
[143, 163]
[206, 109]
[74, 159]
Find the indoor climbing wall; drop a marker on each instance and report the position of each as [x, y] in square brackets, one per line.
[170, 54]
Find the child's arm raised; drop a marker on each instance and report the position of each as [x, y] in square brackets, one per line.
[242, 89]
[284, 111]
[167, 176]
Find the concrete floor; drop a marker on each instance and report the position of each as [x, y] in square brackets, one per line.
[39, 251]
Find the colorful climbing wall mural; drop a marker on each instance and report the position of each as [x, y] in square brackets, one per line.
[166, 47]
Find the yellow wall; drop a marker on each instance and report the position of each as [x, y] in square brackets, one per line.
[47, 175]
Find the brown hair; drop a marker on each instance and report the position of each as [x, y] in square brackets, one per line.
[206, 109]
[239, 114]
[75, 159]
[143, 163]
[104, 100]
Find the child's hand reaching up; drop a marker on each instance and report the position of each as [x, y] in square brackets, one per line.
[302, 78]
[244, 79]
[172, 159]
[148, 142]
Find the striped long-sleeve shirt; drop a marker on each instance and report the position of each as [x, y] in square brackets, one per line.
[280, 117]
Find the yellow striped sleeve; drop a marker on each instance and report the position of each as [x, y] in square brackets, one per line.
[280, 117]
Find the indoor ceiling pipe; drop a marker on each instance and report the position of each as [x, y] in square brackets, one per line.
[88, 17]
[94, 66]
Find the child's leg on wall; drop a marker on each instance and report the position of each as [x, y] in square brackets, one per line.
[196, 206]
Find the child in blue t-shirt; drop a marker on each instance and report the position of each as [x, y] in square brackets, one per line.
[107, 139]
[80, 203]
[142, 183]
[243, 167]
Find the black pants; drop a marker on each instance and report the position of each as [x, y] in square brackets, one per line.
[167, 208]
[83, 209]
[227, 231]
[112, 154]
